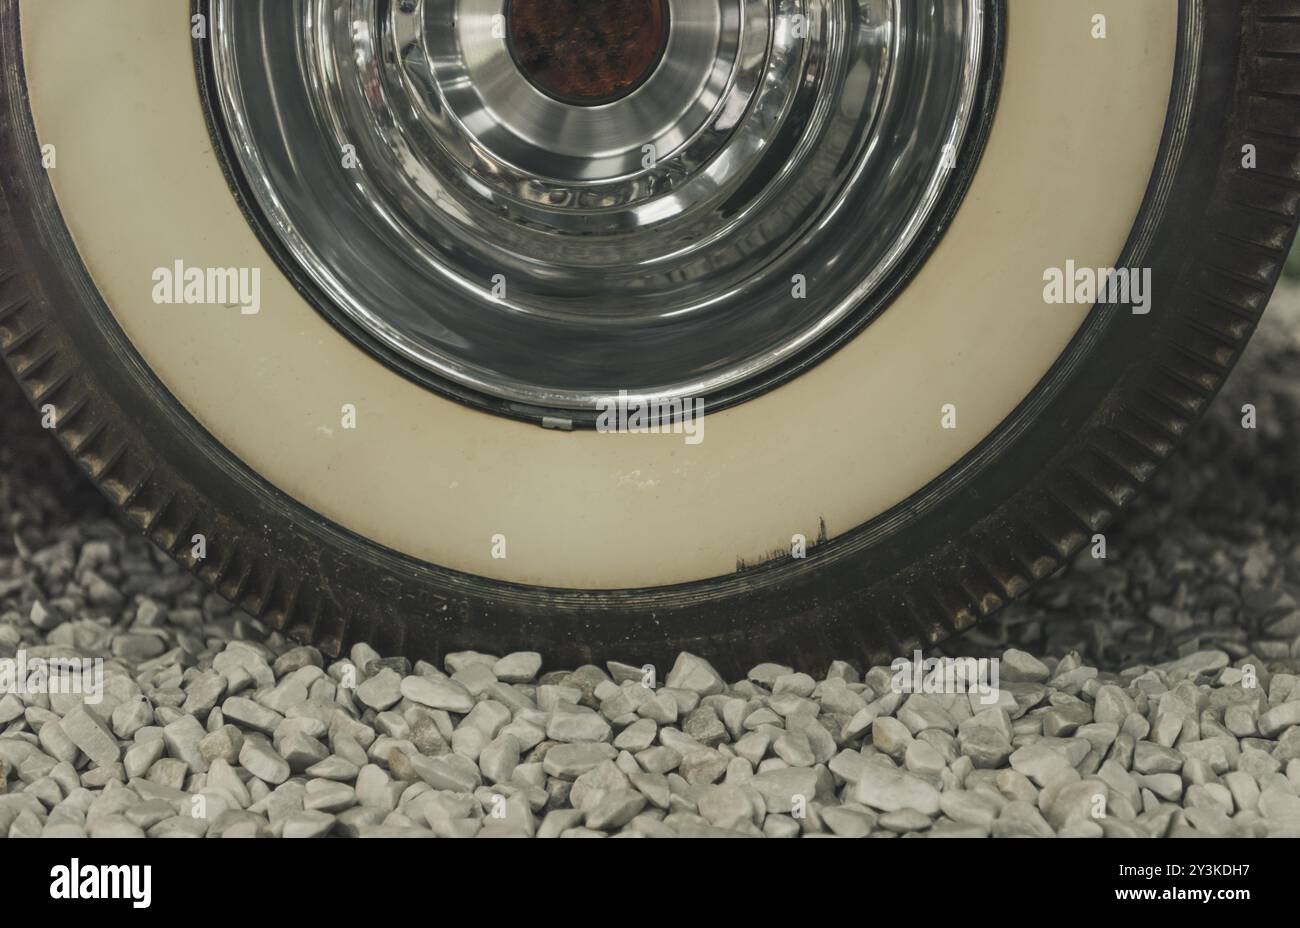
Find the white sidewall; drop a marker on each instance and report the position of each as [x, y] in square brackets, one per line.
[1072, 149]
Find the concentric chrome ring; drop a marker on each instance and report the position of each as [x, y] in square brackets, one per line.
[737, 209]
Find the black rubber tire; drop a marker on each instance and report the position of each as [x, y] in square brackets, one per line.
[1008, 515]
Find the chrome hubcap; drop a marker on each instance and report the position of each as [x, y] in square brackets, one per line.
[534, 203]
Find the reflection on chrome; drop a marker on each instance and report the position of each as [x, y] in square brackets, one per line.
[549, 253]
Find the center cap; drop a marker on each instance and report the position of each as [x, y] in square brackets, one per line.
[587, 52]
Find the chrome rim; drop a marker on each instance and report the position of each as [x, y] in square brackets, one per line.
[729, 211]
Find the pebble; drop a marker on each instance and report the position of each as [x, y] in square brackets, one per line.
[308, 824]
[1041, 764]
[450, 771]
[888, 789]
[890, 736]
[182, 738]
[576, 723]
[91, 736]
[141, 756]
[249, 714]
[794, 748]
[1278, 719]
[782, 788]
[499, 759]
[519, 667]
[329, 796]
[694, 674]
[615, 809]
[381, 691]
[262, 761]
[224, 743]
[443, 694]
[1021, 667]
[848, 822]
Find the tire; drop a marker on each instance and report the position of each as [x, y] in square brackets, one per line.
[192, 431]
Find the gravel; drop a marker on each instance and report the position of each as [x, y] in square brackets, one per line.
[1152, 693]
[1178, 747]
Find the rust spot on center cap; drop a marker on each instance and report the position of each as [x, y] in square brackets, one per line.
[587, 52]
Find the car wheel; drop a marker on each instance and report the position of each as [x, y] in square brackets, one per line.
[740, 327]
